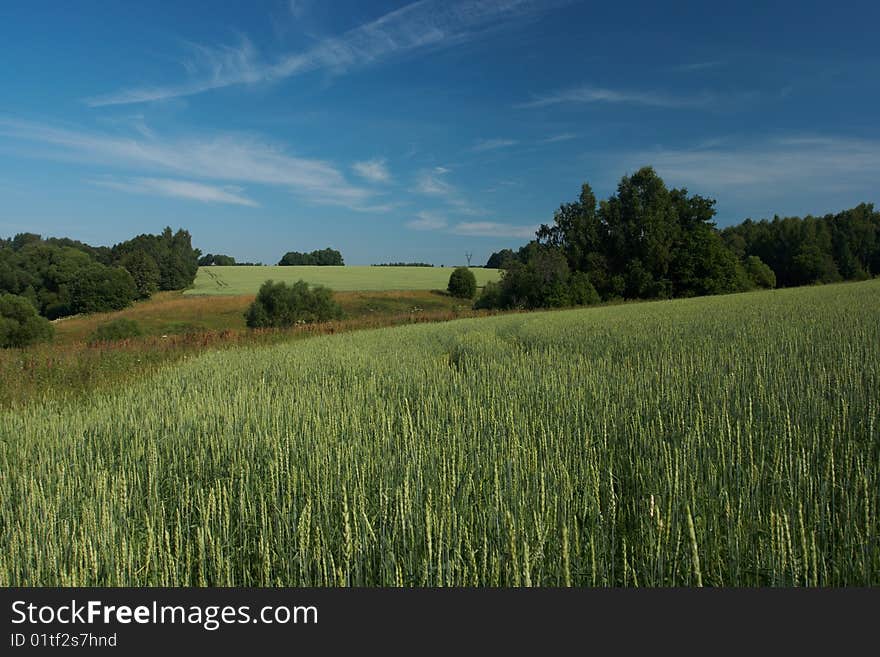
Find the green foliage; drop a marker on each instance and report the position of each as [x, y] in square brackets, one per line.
[462, 283]
[117, 329]
[491, 297]
[100, 289]
[61, 276]
[280, 305]
[812, 264]
[64, 280]
[322, 257]
[178, 262]
[500, 259]
[760, 275]
[541, 282]
[581, 291]
[21, 240]
[218, 260]
[645, 241]
[650, 242]
[144, 271]
[807, 250]
[20, 325]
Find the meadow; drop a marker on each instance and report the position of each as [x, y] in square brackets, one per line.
[177, 327]
[720, 441]
[247, 280]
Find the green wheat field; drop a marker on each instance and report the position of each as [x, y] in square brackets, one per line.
[730, 440]
[247, 280]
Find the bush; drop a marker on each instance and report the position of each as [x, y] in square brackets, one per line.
[279, 305]
[542, 282]
[581, 291]
[20, 325]
[99, 289]
[491, 297]
[462, 283]
[117, 329]
[759, 273]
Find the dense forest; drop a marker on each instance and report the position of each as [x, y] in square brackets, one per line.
[60, 276]
[322, 257]
[650, 242]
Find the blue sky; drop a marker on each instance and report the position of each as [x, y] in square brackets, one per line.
[419, 131]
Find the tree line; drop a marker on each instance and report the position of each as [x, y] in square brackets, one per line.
[220, 260]
[56, 277]
[321, 257]
[647, 241]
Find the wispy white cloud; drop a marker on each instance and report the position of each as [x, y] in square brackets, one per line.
[777, 170]
[177, 189]
[770, 167]
[427, 221]
[494, 229]
[431, 183]
[588, 94]
[420, 25]
[492, 144]
[225, 158]
[375, 170]
[565, 136]
[432, 221]
[210, 67]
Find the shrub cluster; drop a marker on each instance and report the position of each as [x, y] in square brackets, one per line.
[279, 305]
[117, 329]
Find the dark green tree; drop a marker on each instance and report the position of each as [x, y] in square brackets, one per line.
[577, 230]
[499, 259]
[542, 282]
[581, 291]
[462, 283]
[99, 289]
[760, 275]
[144, 271]
[20, 325]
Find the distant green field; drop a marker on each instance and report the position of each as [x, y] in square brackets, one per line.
[247, 280]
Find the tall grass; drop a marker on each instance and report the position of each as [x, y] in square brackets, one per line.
[717, 441]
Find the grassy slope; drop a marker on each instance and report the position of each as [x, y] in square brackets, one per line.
[247, 280]
[733, 440]
[169, 313]
[177, 328]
